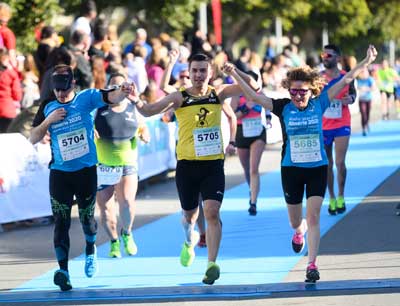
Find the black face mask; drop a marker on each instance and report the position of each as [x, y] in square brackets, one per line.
[62, 81]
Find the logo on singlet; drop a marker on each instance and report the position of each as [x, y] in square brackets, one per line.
[201, 117]
[212, 98]
[129, 116]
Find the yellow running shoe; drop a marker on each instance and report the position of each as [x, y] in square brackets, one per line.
[187, 253]
[129, 244]
[115, 251]
[212, 273]
[341, 205]
[332, 206]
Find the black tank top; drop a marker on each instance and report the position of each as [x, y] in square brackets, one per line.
[116, 126]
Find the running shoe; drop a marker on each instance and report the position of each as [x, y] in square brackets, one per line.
[341, 205]
[212, 273]
[129, 244]
[332, 206]
[61, 279]
[202, 242]
[115, 251]
[298, 241]
[187, 253]
[252, 210]
[312, 273]
[91, 265]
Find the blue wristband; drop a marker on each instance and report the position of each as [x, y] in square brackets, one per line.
[243, 109]
[257, 108]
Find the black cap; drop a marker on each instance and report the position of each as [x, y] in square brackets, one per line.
[62, 81]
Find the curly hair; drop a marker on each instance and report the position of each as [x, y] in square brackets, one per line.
[305, 74]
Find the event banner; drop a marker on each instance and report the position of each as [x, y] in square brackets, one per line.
[23, 179]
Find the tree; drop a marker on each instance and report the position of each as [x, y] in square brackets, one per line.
[172, 16]
[253, 18]
[386, 14]
[27, 14]
[345, 20]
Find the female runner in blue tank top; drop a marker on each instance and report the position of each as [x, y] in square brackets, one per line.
[304, 161]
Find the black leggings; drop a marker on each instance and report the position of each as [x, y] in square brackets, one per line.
[365, 108]
[63, 187]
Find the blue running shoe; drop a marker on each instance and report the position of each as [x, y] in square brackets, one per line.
[61, 279]
[91, 264]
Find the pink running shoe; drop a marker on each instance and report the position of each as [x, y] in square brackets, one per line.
[312, 273]
[298, 242]
[298, 238]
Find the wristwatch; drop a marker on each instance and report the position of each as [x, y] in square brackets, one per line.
[233, 143]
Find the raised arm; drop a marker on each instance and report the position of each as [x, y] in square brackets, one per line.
[249, 80]
[166, 77]
[251, 95]
[353, 73]
[233, 90]
[173, 100]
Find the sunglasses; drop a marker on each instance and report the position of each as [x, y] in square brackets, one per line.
[295, 91]
[325, 55]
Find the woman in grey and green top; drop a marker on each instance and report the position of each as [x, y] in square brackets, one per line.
[117, 127]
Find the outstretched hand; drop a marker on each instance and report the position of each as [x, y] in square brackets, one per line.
[371, 54]
[130, 90]
[228, 68]
[173, 55]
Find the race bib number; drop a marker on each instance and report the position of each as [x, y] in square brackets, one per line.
[305, 148]
[334, 111]
[252, 127]
[207, 141]
[107, 175]
[73, 144]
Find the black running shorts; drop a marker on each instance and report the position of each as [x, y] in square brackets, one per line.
[295, 178]
[205, 177]
[245, 142]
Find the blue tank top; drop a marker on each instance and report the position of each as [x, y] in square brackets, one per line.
[303, 144]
